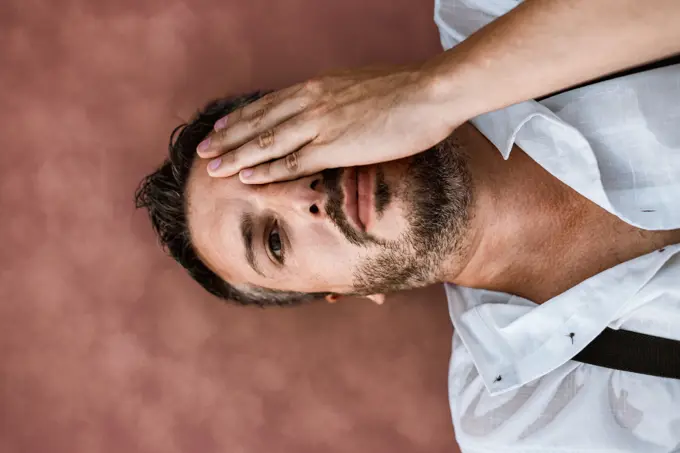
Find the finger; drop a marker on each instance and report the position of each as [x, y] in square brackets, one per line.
[268, 100]
[292, 166]
[272, 144]
[307, 160]
[248, 123]
[247, 129]
[248, 110]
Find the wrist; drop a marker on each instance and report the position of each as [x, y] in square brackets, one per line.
[453, 85]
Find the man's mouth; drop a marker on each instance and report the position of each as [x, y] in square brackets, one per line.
[358, 187]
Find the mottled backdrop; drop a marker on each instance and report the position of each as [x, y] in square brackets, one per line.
[105, 344]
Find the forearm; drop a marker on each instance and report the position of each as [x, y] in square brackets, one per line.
[543, 46]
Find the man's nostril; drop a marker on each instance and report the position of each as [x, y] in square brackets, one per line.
[314, 183]
[314, 209]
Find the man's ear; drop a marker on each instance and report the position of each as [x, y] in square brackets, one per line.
[377, 298]
[332, 298]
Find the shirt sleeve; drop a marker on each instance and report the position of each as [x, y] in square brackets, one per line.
[458, 19]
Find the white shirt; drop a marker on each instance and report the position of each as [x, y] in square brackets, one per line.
[618, 144]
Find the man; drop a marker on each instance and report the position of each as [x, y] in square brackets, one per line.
[572, 229]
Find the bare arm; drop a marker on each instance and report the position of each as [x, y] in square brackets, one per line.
[543, 46]
[361, 117]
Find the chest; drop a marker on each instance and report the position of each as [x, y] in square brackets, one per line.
[596, 242]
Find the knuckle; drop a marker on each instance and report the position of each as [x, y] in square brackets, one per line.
[319, 111]
[267, 169]
[257, 117]
[305, 101]
[266, 139]
[314, 87]
[224, 136]
[237, 114]
[292, 162]
[226, 140]
[218, 141]
[269, 98]
[224, 144]
[231, 159]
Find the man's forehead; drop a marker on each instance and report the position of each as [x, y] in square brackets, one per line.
[214, 214]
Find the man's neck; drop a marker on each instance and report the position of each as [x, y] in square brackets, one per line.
[531, 235]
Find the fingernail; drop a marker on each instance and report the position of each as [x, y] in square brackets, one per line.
[204, 145]
[215, 164]
[219, 124]
[247, 173]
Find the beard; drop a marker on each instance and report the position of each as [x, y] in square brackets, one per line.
[436, 194]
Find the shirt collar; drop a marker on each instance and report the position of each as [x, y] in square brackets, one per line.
[513, 341]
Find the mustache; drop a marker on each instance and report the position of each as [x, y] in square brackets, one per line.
[332, 179]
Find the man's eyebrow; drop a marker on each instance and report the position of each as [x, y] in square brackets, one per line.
[247, 236]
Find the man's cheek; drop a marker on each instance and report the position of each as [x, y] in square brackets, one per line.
[393, 222]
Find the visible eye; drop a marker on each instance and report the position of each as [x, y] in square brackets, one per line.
[274, 243]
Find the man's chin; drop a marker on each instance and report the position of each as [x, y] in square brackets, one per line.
[389, 217]
[425, 221]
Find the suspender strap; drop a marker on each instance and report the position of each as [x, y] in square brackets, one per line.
[621, 349]
[635, 352]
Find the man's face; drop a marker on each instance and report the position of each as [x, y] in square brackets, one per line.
[360, 230]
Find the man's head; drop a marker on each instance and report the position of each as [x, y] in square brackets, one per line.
[361, 230]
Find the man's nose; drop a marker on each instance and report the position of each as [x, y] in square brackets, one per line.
[305, 196]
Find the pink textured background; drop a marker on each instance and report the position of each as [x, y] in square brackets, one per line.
[105, 344]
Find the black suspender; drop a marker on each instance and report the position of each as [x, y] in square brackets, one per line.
[622, 349]
[635, 352]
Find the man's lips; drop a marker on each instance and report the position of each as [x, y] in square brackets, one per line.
[358, 190]
[366, 195]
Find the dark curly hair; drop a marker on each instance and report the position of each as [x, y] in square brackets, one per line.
[162, 193]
